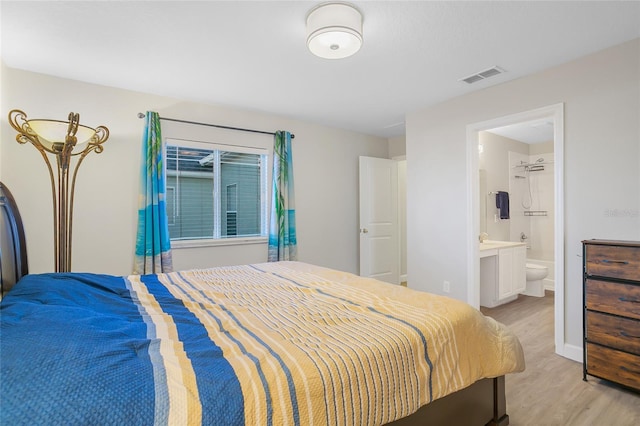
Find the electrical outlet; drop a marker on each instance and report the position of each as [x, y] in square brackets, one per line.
[446, 287]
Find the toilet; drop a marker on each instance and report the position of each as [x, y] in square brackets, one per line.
[535, 275]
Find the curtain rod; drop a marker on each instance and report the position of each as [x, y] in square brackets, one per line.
[141, 115]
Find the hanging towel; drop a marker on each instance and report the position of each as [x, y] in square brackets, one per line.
[502, 203]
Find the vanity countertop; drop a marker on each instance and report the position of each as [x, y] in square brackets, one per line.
[491, 247]
[491, 244]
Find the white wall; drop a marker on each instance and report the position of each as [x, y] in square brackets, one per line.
[397, 146]
[519, 191]
[325, 169]
[494, 159]
[601, 94]
[402, 217]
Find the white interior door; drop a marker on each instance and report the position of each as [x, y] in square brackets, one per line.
[379, 249]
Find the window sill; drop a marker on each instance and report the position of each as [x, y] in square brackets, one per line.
[180, 244]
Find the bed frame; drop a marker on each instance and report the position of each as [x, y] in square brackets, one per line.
[13, 249]
[482, 403]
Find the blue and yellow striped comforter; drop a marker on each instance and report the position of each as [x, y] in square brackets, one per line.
[268, 344]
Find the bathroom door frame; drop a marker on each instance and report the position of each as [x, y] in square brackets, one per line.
[556, 114]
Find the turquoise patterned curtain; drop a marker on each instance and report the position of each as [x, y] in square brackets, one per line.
[153, 247]
[282, 226]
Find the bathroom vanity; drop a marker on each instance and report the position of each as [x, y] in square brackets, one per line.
[502, 272]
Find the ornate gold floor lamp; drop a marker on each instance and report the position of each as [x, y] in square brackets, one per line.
[63, 139]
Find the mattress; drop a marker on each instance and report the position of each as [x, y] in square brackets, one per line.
[264, 344]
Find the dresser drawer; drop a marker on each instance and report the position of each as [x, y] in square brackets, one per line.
[616, 332]
[613, 261]
[613, 298]
[610, 364]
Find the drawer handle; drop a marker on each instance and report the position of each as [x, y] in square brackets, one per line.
[625, 334]
[622, 262]
[624, 299]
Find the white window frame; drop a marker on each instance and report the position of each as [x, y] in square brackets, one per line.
[265, 160]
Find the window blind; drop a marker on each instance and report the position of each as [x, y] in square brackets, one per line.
[214, 193]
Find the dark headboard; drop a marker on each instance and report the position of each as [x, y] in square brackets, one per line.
[13, 248]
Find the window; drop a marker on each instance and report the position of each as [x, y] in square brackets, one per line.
[215, 192]
[232, 209]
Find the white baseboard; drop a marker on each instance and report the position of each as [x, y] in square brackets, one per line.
[403, 278]
[572, 352]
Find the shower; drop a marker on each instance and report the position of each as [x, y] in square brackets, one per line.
[538, 165]
[526, 202]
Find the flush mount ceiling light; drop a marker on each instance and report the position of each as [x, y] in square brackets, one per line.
[334, 30]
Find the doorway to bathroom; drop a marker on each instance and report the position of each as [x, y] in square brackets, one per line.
[516, 167]
[535, 190]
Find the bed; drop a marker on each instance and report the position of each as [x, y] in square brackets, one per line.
[263, 344]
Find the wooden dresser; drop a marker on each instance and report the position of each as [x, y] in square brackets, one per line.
[611, 289]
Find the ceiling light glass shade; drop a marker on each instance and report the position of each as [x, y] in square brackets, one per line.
[334, 30]
[49, 132]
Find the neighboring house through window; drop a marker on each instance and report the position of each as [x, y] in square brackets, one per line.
[215, 192]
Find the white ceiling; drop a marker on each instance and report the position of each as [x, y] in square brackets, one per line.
[252, 54]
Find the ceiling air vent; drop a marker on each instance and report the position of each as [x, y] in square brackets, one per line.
[482, 75]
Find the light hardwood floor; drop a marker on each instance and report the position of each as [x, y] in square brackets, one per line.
[551, 391]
